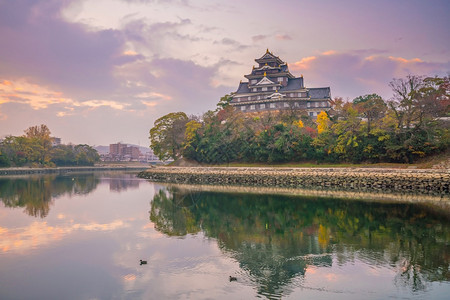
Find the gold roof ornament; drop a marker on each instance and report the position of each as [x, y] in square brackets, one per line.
[265, 74]
[267, 51]
[301, 76]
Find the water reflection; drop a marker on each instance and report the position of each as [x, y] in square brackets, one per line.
[279, 246]
[276, 238]
[37, 193]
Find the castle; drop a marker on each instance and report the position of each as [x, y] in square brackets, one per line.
[271, 86]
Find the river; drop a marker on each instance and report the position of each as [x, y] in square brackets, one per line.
[82, 236]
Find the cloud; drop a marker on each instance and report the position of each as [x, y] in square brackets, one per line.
[354, 73]
[36, 96]
[158, 38]
[259, 37]
[100, 103]
[64, 56]
[41, 97]
[283, 37]
[273, 36]
[304, 64]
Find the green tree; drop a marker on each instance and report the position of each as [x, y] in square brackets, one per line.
[347, 131]
[38, 144]
[167, 135]
[63, 155]
[85, 155]
[372, 107]
[224, 101]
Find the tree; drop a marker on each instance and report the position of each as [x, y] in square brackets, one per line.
[224, 101]
[347, 132]
[417, 104]
[85, 155]
[405, 103]
[372, 107]
[323, 122]
[191, 139]
[38, 144]
[167, 135]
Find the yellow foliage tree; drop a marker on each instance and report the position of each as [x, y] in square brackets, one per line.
[191, 129]
[299, 123]
[322, 122]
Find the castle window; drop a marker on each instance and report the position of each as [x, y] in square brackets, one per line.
[254, 81]
[280, 79]
[311, 114]
[264, 89]
[252, 107]
[286, 104]
[242, 107]
[272, 105]
[249, 98]
[262, 106]
[258, 97]
[308, 104]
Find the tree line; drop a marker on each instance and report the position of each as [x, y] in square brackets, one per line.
[35, 149]
[411, 125]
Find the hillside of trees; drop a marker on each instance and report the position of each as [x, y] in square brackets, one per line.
[35, 149]
[411, 125]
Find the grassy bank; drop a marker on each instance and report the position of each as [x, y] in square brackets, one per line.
[441, 161]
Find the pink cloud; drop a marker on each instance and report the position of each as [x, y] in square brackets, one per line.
[283, 37]
[258, 38]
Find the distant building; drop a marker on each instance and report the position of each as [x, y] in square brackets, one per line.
[123, 152]
[55, 141]
[271, 86]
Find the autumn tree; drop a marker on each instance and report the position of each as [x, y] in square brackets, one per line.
[372, 107]
[416, 106]
[167, 135]
[323, 122]
[405, 103]
[38, 144]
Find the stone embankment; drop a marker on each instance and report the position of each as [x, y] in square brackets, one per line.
[414, 181]
[63, 170]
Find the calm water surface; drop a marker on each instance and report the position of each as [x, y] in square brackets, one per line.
[82, 236]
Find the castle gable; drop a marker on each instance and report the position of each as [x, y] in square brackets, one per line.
[265, 81]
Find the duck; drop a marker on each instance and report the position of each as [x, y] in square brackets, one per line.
[143, 262]
[232, 278]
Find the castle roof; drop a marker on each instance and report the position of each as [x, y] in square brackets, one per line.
[293, 84]
[243, 88]
[319, 93]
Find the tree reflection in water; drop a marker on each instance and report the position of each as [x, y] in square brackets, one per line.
[36, 193]
[274, 238]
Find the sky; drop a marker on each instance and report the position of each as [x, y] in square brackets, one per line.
[102, 71]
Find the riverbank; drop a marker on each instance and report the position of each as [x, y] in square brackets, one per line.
[409, 181]
[64, 170]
